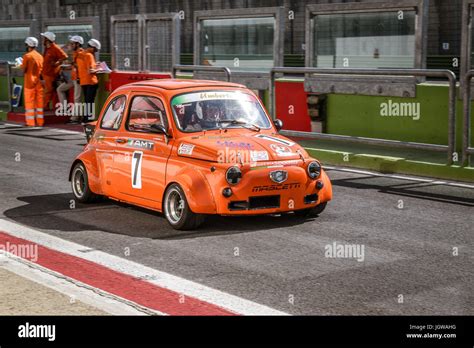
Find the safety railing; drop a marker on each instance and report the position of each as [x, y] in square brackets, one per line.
[7, 66]
[467, 150]
[193, 68]
[448, 74]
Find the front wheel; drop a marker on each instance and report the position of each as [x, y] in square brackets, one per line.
[177, 211]
[315, 211]
[80, 185]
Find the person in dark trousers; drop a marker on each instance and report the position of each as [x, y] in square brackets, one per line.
[87, 69]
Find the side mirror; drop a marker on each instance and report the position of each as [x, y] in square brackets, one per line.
[278, 124]
[159, 128]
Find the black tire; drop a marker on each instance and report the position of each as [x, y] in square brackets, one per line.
[315, 211]
[80, 185]
[177, 211]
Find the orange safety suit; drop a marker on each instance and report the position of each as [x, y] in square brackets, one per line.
[75, 54]
[85, 61]
[33, 89]
[52, 55]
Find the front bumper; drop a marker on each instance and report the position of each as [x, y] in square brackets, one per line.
[257, 194]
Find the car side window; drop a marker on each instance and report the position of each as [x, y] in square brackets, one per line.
[145, 112]
[114, 113]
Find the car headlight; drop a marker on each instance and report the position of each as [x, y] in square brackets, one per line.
[314, 169]
[233, 175]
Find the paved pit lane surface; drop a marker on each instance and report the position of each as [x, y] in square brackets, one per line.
[413, 240]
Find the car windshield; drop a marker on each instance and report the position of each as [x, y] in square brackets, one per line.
[198, 111]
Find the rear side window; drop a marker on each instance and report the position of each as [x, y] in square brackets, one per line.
[114, 113]
[145, 112]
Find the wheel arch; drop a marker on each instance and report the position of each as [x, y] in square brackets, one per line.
[93, 176]
[197, 191]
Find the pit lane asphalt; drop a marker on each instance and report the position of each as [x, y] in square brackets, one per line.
[408, 251]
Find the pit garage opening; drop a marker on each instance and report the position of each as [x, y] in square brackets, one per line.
[355, 35]
[144, 47]
[247, 41]
[145, 43]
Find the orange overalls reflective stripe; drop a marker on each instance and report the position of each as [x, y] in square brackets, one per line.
[33, 90]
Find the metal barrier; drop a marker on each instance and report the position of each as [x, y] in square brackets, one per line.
[448, 74]
[467, 150]
[202, 68]
[8, 69]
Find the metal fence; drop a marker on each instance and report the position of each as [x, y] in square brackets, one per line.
[448, 74]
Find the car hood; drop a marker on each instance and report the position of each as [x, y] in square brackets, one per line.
[252, 146]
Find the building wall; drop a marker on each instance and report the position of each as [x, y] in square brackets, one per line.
[444, 17]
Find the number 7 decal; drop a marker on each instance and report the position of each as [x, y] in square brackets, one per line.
[137, 169]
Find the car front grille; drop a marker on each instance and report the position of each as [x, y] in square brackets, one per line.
[257, 202]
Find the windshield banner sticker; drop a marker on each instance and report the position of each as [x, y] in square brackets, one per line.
[195, 97]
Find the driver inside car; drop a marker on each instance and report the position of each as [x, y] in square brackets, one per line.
[211, 114]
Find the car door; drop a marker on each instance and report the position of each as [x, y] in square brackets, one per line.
[141, 155]
[105, 140]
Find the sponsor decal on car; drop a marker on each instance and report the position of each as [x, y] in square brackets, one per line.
[141, 144]
[269, 188]
[282, 150]
[256, 156]
[235, 145]
[185, 149]
[274, 164]
[275, 139]
[179, 101]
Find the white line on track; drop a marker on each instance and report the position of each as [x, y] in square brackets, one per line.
[400, 177]
[162, 279]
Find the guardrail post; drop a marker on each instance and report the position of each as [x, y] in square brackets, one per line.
[193, 68]
[466, 138]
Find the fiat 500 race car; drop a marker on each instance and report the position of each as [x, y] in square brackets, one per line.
[190, 148]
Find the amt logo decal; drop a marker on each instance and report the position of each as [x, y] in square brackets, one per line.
[141, 144]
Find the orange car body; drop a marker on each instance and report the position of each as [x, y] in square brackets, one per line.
[194, 160]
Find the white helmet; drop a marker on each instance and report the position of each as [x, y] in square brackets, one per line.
[49, 35]
[77, 38]
[31, 41]
[94, 43]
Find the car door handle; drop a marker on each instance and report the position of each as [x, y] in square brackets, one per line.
[120, 141]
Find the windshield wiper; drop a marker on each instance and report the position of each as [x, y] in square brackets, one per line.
[243, 123]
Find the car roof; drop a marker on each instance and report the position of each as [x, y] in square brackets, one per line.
[179, 84]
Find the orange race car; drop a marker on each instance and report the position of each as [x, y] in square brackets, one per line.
[189, 148]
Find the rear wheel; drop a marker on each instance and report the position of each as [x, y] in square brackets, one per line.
[80, 185]
[177, 211]
[315, 211]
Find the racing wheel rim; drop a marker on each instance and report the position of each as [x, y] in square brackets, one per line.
[79, 183]
[174, 206]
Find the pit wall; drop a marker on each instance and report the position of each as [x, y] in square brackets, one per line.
[358, 115]
[102, 93]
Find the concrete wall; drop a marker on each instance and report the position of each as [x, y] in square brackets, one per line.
[361, 116]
